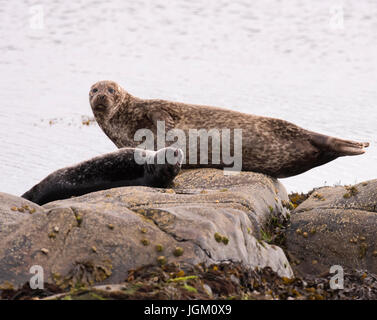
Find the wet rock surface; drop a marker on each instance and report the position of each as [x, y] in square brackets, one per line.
[205, 217]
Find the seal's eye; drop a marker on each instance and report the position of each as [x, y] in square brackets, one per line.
[111, 90]
[94, 90]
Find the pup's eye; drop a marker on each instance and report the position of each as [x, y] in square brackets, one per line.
[94, 90]
[111, 90]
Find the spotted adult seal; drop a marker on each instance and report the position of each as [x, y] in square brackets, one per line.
[125, 167]
[270, 146]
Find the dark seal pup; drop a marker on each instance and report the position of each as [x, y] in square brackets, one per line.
[270, 146]
[116, 169]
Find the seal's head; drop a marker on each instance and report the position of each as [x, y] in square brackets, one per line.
[105, 96]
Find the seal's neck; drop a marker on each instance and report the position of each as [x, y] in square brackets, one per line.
[114, 123]
[119, 111]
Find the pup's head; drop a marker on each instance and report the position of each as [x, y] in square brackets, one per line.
[164, 165]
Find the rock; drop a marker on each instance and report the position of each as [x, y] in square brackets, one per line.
[341, 224]
[99, 237]
[13, 210]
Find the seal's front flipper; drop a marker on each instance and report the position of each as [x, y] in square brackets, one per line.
[338, 146]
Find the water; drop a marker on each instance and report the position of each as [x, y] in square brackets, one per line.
[273, 58]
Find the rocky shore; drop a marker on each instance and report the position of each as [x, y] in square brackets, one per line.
[208, 236]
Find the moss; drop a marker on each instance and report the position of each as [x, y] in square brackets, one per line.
[218, 237]
[275, 222]
[79, 219]
[23, 209]
[297, 198]
[6, 285]
[287, 280]
[145, 242]
[319, 196]
[143, 230]
[266, 236]
[180, 273]
[352, 191]
[159, 248]
[287, 204]
[178, 251]
[52, 235]
[161, 260]
[56, 277]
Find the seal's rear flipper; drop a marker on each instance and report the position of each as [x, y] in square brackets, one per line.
[339, 146]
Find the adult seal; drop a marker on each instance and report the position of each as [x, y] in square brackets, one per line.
[125, 167]
[271, 146]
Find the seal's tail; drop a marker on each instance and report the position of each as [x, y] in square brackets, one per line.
[339, 146]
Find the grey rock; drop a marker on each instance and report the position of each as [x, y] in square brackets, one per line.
[335, 226]
[205, 217]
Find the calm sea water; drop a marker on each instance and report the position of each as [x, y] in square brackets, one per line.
[286, 59]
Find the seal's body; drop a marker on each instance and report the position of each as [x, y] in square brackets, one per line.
[124, 167]
[270, 146]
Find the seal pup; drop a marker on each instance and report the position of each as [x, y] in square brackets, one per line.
[125, 167]
[271, 146]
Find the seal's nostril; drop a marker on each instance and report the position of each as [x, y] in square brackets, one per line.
[176, 153]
